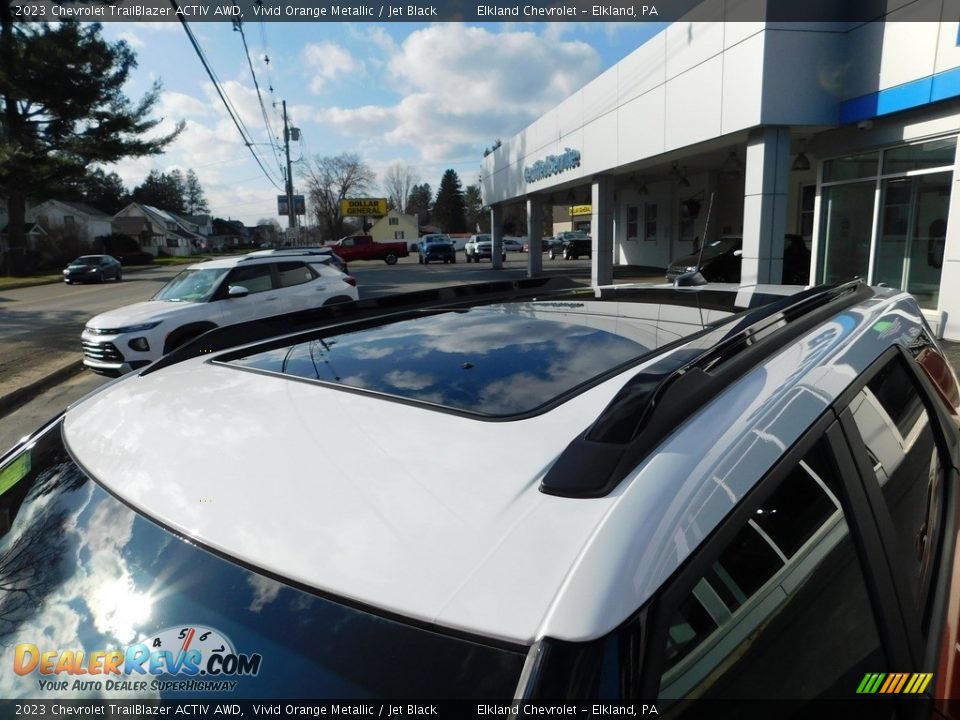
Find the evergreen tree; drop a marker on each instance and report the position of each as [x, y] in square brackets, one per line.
[419, 203]
[193, 197]
[62, 108]
[449, 210]
[477, 219]
[104, 191]
[162, 190]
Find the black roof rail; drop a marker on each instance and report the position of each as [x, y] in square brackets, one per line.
[659, 398]
[362, 313]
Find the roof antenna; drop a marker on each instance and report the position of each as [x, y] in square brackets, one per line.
[706, 224]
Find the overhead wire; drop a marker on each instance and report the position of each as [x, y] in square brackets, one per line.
[231, 111]
[238, 25]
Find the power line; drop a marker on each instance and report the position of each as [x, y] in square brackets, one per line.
[238, 25]
[223, 98]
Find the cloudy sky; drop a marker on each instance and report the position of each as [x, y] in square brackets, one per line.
[431, 96]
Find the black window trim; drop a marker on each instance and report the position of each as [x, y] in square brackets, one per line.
[226, 284]
[937, 595]
[879, 583]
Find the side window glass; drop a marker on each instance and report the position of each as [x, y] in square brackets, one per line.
[293, 273]
[255, 278]
[783, 611]
[902, 447]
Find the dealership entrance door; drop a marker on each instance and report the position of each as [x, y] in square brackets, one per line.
[884, 217]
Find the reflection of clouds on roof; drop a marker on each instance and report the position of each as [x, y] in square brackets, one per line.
[265, 591]
[408, 380]
[98, 607]
[471, 360]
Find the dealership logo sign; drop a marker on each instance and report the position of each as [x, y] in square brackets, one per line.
[176, 652]
[552, 165]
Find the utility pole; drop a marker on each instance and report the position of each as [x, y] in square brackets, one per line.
[291, 210]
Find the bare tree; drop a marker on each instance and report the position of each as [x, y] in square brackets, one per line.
[332, 179]
[398, 181]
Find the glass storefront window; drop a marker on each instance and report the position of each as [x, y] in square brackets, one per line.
[907, 250]
[851, 167]
[912, 235]
[848, 223]
[650, 222]
[921, 156]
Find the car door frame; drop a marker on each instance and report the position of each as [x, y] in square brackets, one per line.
[221, 296]
[943, 599]
[863, 532]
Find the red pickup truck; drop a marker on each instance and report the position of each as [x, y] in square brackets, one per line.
[364, 247]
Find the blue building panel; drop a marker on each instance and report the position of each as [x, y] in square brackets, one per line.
[915, 93]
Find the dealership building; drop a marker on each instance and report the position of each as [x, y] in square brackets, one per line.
[844, 134]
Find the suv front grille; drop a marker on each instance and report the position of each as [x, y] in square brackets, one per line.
[103, 352]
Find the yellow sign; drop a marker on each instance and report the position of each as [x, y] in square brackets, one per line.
[581, 210]
[363, 206]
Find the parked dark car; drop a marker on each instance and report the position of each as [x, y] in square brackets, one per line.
[572, 248]
[93, 268]
[437, 247]
[722, 258]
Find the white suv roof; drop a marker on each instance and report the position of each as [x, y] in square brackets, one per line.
[452, 493]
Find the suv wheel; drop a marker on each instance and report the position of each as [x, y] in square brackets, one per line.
[390, 259]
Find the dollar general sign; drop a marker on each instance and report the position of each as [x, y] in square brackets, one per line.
[363, 206]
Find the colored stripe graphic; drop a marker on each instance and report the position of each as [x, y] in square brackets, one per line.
[894, 683]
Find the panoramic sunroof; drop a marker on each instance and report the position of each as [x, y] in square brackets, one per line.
[494, 360]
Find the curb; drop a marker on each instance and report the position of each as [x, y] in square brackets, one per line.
[15, 398]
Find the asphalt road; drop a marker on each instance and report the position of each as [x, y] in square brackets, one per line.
[41, 325]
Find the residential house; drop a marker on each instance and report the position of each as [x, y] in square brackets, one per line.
[75, 220]
[229, 235]
[158, 231]
[395, 226]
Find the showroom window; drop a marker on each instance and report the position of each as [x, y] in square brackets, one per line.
[650, 222]
[884, 217]
[633, 222]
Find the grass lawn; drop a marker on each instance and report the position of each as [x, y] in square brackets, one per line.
[10, 283]
[47, 276]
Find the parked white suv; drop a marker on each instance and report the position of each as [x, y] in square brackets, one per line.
[208, 295]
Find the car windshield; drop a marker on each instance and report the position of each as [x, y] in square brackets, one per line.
[86, 574]
[716, 248]
[192, 286]
[87, 260]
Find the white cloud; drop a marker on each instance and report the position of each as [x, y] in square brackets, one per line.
[462, 89]
[180, 106]
[326, 62]
[133, 40]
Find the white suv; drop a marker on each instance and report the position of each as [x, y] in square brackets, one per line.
[208, 295]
